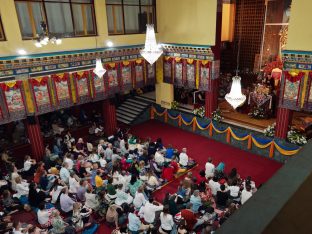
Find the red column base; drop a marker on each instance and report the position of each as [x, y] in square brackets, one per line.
[109, 115]
[283, 120]
[35, 138]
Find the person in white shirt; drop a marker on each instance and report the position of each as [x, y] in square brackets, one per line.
[102, 161]
[246, 194]
[159, 157]
[91, 200]
[73, 183]
[56, 192]
[29, 166]
[139, 198]
[65, 201]
[234, 190]
[183, 158]
[148, 211]
[64, 173]
[214, 186]
[122, 197]
[44, 215]
[209, 169]
[94, 157]
[22, 188]
[69, 161]
[166, 221]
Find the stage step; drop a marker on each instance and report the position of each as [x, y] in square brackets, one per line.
[131, 109]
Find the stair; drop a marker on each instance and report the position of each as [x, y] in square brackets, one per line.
[131, 109]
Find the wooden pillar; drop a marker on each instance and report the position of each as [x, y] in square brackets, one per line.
[109, 115]
[35, 138]
[211, 96]
[283, 120]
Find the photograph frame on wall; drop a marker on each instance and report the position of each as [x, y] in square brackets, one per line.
[191, 73]
[138, 73]
[62, 90]
[167, 66]
[308, 97]
[204, 75]
[292, 86]
[41, 93]
[178, 72]
[98, 84]
[14, 99]
[111, 79]
[150, 74]
[82, 86]
[126, 75]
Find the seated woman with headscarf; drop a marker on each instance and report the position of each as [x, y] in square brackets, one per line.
[219, 170]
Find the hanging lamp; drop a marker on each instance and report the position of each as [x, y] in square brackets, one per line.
[99, 69]
[236, 98]
[151, 51]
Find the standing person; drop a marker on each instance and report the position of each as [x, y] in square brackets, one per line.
[64, 173]
[166, 221]
[66, 202]
[209, 169]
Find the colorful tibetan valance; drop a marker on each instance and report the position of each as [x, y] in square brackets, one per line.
[14, 99]
[82, 86]
[168, 76]
[111, 78]
[292, 85]
[139, 73]
[204, 75]
[62, 89]
[179, 72]
[150, 74]
[41, 92]
[126, 77]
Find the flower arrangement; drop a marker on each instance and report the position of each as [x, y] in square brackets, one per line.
[216, 115]
[257, 113]
[199, 111]
[296, 137]
[174, 105]
[270, 130]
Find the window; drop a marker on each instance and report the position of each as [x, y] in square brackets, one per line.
[64, 18]
[130, 16]
[2, 36]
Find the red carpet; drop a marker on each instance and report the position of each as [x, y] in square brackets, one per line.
[200, 148]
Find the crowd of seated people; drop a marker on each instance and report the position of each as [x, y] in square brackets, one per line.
[112, 181]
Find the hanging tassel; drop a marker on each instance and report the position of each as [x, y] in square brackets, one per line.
[194, 124]
[210, 129]
[152, 113]
[271, 150]
[249, 142]
[180, 120]
[166, 116]
[228, 136]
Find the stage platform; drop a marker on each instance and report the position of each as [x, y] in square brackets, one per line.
[243, 120]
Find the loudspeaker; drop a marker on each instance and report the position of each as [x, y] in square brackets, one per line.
[31, 119]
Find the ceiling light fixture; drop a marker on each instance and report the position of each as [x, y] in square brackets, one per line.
[45, 37]
[235, 97]
[109, 43]
[151, 51]
[21, 52]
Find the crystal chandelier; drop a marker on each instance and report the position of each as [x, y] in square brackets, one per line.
[151, 51]
[99, 70]
[235, 97]
[45, 37]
